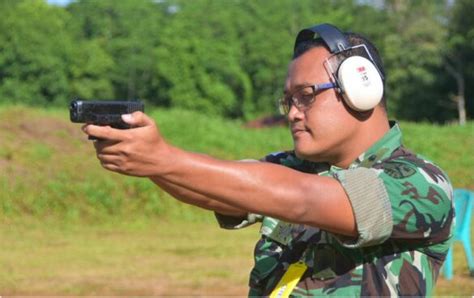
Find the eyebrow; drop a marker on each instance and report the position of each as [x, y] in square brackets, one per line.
[304, 84]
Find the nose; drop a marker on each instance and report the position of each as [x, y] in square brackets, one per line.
[294, 114]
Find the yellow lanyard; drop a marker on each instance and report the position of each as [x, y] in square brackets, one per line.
[289, 280]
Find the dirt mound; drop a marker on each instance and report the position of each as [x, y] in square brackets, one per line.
[23, 125]
[30, 137]
[267, 121]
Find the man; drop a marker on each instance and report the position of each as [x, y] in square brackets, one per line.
[349, 212]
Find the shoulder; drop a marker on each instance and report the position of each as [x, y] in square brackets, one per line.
[420, 194]
[410, 168]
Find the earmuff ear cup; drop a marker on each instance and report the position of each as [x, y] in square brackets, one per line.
[360, 83]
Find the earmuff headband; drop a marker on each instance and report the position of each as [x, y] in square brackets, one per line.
[334, 39]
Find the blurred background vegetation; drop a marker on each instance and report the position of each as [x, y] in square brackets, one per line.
[204, 68]
[228, 57]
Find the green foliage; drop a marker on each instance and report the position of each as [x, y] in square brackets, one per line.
[226, 58]
[413, 55]
[32, 44]
[460, 46]
[128, 32]
[40, 63]
[88, 71]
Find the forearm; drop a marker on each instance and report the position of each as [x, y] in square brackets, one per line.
[263, 188]
[190, 197]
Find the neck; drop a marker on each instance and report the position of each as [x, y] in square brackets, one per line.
[368, 133]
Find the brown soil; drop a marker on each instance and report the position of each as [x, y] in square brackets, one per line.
[49, 130]
[268, 121]
[20, 129]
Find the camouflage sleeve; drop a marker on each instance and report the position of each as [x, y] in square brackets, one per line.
[409, 199]
[421, 198]
[370, 204]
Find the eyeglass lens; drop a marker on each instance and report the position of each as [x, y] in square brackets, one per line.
[301, 98]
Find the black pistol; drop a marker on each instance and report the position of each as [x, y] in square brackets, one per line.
[103, 112]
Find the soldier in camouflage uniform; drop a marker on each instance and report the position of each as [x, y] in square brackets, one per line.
[402, 240]
[348, 212]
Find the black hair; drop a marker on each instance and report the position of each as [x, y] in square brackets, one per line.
[354, 39]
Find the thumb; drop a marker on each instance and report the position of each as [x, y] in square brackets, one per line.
[137, 119]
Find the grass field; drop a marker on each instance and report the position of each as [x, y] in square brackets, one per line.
[67, 227]
[134, 259]
[141, 258]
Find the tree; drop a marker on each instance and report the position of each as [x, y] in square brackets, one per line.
[32, 39]
[227, 57]
[417, 82]
[458, 52]
[40, 63]
[128, 31]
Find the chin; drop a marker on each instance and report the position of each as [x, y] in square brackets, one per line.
[303, 154]
[307, 152]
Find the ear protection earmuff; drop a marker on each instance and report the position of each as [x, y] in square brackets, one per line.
[358, 79]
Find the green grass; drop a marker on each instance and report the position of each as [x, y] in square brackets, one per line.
[451, 147]
[141, 258]
[68, 227]
[136, 258]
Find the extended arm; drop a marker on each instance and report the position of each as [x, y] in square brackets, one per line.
[264, 188]
[261, 188]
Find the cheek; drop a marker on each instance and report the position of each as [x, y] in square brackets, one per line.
[330, 121]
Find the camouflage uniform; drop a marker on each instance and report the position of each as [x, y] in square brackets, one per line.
[404, 220]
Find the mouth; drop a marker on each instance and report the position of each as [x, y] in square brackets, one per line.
[295, 131]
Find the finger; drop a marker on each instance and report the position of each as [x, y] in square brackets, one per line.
[110, 166]
[109, 159]
[137, 119]
[106, 146]
[104, 132]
